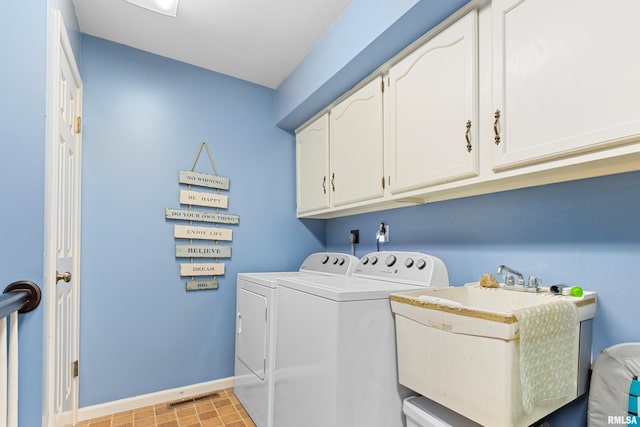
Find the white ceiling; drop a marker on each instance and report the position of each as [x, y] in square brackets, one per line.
[255, 40]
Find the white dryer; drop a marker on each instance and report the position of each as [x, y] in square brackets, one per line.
[335, 352]
[256, 329]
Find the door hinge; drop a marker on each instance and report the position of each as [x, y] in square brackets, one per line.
[78, 124]
[75, 369]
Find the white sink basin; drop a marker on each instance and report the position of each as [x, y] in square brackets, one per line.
[460, 346]
[495, 305]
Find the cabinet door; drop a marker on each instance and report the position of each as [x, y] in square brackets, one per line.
[312, 166]
[567, 77]
[431, 96]
[356, 146]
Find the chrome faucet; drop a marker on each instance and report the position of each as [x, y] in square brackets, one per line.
[531, 286]
[508, 278]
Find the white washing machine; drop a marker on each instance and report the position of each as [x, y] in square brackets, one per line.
[336, 352]
[256, 329]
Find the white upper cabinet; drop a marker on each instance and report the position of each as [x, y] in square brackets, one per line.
[502, 95]
[566, 78]
[356, 146]
[431, 111]
[312, 164]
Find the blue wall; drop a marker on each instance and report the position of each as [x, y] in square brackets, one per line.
[22, 134]
[583, 232]
[144, 119]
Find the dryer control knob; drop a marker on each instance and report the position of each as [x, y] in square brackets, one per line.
[325, 259]
[364, 260]
[408, 262]
[391, 259]
[335, 260]
[341, 261]
[421, 263]
[374, 260]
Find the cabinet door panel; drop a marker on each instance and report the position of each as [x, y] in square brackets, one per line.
[356, 146]
[312, 164]
[432, 94]
[566, 77]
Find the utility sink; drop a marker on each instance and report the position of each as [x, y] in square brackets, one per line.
[460, 346]
[472, 302]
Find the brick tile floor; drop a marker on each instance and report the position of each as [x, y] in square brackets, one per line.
[222, 411]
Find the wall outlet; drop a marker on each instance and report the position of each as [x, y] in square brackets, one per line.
[382, 235]
[354, 236]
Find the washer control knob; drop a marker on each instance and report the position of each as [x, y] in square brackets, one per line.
[408, 262]
[374, 260]
[325, 259]
[364, 260]
[335, 260]
[341, 261]
[421, 263]
[391, 259]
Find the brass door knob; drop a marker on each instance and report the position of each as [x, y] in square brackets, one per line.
[66, 276]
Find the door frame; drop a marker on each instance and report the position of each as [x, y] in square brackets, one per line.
[57, 43]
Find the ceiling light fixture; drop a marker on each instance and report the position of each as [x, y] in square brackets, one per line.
[165, 7]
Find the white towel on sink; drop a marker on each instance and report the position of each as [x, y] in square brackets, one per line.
[548, 351]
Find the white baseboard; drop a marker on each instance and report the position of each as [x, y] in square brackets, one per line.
[141, 401]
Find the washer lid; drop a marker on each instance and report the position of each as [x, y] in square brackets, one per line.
[269, 278]
[344, 288]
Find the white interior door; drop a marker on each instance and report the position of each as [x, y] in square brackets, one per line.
[62, 228]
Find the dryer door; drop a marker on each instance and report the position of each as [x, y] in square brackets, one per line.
[251, 331]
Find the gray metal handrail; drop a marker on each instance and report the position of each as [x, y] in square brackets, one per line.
[22, 296]
[19, 297]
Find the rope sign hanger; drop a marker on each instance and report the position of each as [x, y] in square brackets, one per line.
[213, 165]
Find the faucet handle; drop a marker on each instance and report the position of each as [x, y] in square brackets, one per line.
[508, 278]
[534, 282]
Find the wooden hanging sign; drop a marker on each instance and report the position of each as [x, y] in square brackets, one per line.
[208, 199]
[203, 251]
[213, 200]
[188, 215]
[201, 285]
[202, 269]
[203, 180]
[208, 233]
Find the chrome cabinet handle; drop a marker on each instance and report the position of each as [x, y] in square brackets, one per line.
[324, 184]
[496, 138]
[467, 136]
[66, 277]
[333, 185]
